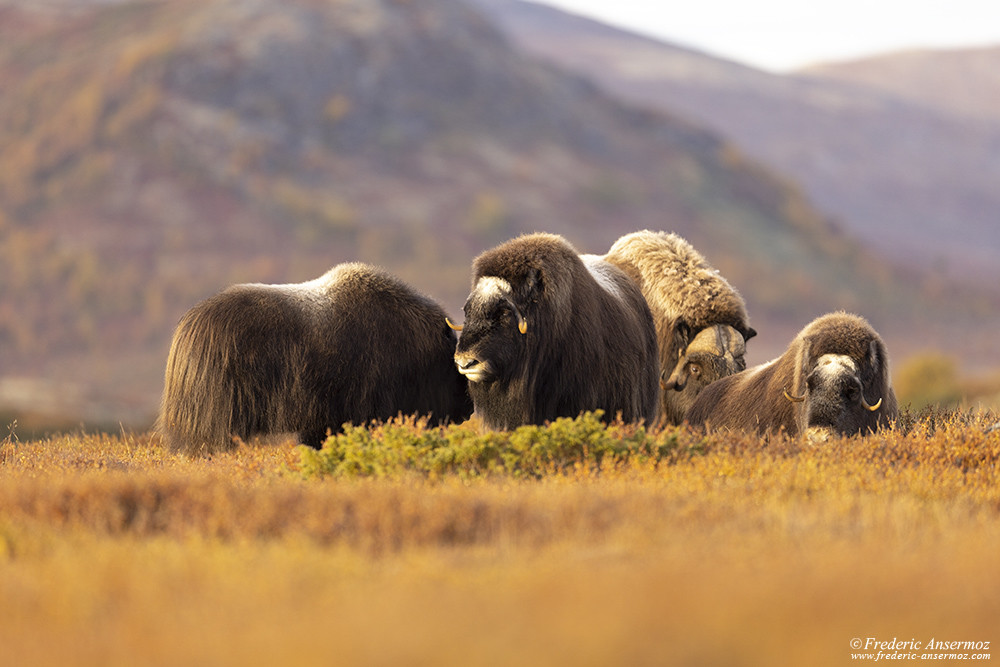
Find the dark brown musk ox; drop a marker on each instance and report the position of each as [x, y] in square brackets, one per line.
[355, 345]
[832, 379]
[549, 333]
[701, 321]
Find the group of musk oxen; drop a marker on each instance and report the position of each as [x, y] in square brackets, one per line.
[648, 333]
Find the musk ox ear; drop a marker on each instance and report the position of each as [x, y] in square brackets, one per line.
[803, 366]
[682, 337]
[533, 281]
[874, 358]
[877, 362]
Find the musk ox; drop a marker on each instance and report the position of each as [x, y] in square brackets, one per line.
[354, 345]
[549, 333]
[832, 379]
[701, 320]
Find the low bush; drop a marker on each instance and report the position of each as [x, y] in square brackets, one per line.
[408, 445]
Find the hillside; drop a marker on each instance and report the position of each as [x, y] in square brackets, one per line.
[961, 82]
[152, 153]
[913, 178]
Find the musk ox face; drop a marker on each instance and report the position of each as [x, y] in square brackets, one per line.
[834, 400]
[714, 353]
[835, 374]
[491, 346]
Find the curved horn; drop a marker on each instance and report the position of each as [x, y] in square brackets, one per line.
[522, 324]
[452, 326]
[871, 408]
[793, 399]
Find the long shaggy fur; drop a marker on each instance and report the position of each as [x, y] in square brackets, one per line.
[588, 342]
[686, 295]
[831, 365]
[354, 345]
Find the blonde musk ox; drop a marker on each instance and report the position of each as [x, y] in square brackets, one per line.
[550, 334]
[354, 345]
[701, 320]
[832, 379]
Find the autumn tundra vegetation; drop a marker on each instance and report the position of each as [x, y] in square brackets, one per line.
[577, 542]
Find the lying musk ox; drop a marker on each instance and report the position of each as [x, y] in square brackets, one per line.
[832, 379]
[550, 334]
[701, 321]
[354, 345]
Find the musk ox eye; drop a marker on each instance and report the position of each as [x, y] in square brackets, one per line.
[851, 390]
[694, 370]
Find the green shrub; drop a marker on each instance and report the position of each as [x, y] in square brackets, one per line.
[408, 445]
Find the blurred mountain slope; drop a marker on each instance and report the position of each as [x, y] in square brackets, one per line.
[961, 82]
[907, 162]
[152, 153]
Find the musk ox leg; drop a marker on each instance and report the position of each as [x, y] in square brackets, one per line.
[314, 437]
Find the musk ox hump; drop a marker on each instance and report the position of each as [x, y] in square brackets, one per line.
[678, 282]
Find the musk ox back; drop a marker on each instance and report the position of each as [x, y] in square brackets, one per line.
[550, 334]
[689, 302]
[354, 345]
[832, 379]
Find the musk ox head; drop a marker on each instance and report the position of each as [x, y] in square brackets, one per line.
[714, 353]
[841, 383]
[493, 340]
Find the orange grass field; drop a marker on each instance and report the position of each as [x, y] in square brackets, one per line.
[725, 550]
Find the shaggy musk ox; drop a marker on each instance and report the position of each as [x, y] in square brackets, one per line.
[549, 333]
[832, 379]
[701, 320]
[354, 345]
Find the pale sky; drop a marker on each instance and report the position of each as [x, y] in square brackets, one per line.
[780, 35]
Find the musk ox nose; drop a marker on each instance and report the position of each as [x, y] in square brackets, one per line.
[466, 363]
[474, 369]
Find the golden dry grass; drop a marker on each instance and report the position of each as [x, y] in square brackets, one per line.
[742, 552]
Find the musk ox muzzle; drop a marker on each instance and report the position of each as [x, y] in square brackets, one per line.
[473, 368]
